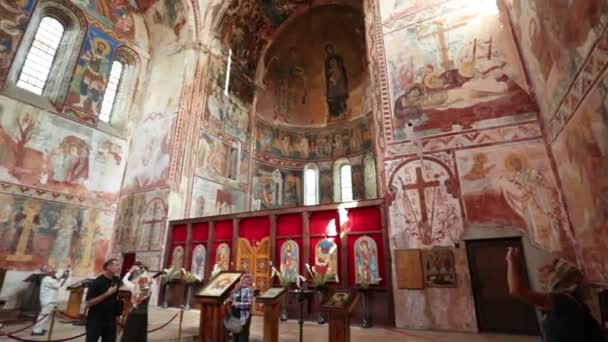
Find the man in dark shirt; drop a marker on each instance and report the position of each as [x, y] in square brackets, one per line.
[103, 304]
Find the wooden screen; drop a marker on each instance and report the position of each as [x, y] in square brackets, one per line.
[255, 259]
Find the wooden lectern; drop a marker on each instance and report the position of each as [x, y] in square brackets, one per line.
[271, 299]
[211, 298]
[340, 307]
[76, 290]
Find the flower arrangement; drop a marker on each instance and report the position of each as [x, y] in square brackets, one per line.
[216, 270]
[190, 278]
[170, 274]
[321, 275]
[286, 276]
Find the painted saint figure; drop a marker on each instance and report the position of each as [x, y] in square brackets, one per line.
[366, 261]
[222, 256]
[96, 64]
[198, 261]
[336, 83]
[66, 226]
[290, 260]
[326, 258]
[177, 258]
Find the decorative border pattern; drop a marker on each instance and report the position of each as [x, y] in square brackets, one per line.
[589, 74]
[525, 131]
[26, 191]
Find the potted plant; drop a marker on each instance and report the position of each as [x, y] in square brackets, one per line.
[168, 276]
[287, 278]
[190, 279]
[320, 276]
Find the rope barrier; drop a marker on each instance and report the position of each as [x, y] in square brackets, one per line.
[25, 328]
[164, 325]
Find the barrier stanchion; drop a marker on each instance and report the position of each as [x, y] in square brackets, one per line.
[52, 323]
[181, 320]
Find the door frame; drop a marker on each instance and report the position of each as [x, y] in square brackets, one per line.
[527, 281]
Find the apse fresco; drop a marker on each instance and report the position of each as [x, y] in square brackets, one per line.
[276, 187]
[140, 221]
[454, 72]
[92, 72]
[36, 233]
[395, 9]
[513, 185]
[582, 154]
[118, 14]
[314, 144]
[14, 16]
[555, 39]
[323, 77]
[210, 199]
[169, 20]
[43, 150]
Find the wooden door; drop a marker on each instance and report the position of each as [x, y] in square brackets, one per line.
[497, 311]
[255, 260]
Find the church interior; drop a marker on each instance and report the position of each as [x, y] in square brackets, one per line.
[385, 151]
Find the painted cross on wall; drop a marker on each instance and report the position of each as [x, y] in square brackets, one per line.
[424, 202]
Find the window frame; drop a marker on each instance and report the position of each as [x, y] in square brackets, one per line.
[115, 101]
[311, 167]
[337, 173]
[64, 62]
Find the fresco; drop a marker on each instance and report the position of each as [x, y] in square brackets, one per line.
[290, 260]
[424, 201]
[222, 256]
[213, 158]
[454, 72]
[36, 232]
[276, 187]
[14, 16]
[141, 220]
[210, 199]
[556, 38]
[244, 168]
[366, 268]
[149, 153]
[326, 258]
[118, 14]
[395, 9]
[513, 185]
[43, 150]
[314, 144]
[177, 257]
[199, 254]
[92, 72]
[582, 154]
[321, 79]
[168, 19]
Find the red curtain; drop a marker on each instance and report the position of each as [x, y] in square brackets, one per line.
[128, 259]
[180, 233]
[364, 219]
[289, 225]
[200, 231]
[223, 230]
[254, 229]
[325, 223]
[351, 257]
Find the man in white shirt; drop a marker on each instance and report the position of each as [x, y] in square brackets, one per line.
[48, 298]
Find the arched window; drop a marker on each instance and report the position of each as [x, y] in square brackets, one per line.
[41, 55]
[346, 183]
[109, 97]
[311, 184]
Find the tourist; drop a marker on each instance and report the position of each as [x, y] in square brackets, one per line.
[49, 287]
[103, 304]
[138, 281]
[566, 318]
[241, 302]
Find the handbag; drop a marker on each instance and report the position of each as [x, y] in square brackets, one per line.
[232, 323]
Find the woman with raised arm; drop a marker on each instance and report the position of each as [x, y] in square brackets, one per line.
[565, 317]
[138, 281]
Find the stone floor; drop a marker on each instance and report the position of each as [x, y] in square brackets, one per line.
[288, 332]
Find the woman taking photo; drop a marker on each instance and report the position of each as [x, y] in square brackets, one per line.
[240, 303]
[138, 281]
[566, 318]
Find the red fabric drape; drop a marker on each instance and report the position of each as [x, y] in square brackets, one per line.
[325, 222]
[254, 229]
[364, 219]
[351, 257]
[289, 225]
[179, 234]
[128, 259]
[223, 230]
[200, 231]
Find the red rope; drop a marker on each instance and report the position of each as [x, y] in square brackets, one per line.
[164, 325]
[22, 329]
[62, 340]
